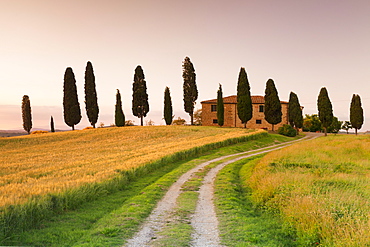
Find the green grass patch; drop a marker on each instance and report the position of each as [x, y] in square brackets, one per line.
[240, 223]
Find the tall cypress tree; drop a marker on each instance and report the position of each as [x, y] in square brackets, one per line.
[272, 104]
[220, 107]
[91, 100]
[356, 114]
[71, 106]
[295, 112]
[167, 111]
[325, 109]
[52, 129]
[26, 114]
[140, 105]
[119, 117]
[244, 100]
[190, 87]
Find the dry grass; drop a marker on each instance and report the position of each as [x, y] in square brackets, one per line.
[40, 164]
[321, 188]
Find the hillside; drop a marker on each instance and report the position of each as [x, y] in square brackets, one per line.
[38, 164]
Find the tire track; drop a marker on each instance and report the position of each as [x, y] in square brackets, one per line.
[204, 221]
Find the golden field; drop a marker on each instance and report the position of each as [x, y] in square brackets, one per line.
[40, 164]
[321, 188]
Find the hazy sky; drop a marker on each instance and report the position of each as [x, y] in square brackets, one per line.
[302, 45]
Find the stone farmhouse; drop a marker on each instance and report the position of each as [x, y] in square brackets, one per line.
[231, 119]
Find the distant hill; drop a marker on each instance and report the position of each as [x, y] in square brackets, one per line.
[10, 133]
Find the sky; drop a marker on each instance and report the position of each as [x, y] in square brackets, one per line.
[302, 45]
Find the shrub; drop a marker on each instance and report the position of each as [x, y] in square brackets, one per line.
[88, 128]
[39, 132]
[287, 130]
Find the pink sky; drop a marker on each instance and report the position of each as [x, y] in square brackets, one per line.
[302, 45]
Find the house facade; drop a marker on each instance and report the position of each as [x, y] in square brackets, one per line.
[231, 119]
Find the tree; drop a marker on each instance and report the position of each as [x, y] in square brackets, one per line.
[167, 112]
[325, 109]
[244, 100]
[71, 106]
[356, 115]
[190, 87]
[52, 129]
[149, 122]
[346, 126]
[119, 117]
[179, 121]
[129, 123]
[198, 117]
[312, 123]
[220, 107]
[91, 101]
[295, 112]
[335, 125]
[140, 105]
[26, 114]
[272, 104]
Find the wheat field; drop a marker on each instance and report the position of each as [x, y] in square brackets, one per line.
[40, 164]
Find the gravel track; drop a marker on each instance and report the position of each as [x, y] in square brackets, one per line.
[204, 221]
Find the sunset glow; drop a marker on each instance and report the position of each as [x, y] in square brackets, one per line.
[302, 45]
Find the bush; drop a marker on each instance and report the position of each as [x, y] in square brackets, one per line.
[88, 128]
[287, 130]
[39, 132]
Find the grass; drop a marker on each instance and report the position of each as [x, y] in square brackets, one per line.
[240, 223]
[111, 219]
[320, 189]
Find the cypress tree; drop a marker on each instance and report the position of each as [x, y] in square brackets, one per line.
[52, 129]
[190, 87]
[71, 106]
[356, 112]
[91, 101]
[295, 112]
[244, 100]
[26, 114]
[167, 112]
[220, 107]
[119, 117]
[140, 105]
[325, 109]
[272, 104]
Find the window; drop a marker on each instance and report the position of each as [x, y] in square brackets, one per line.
[215, 121]
[258, 121]
[262, 108]
[213, 107]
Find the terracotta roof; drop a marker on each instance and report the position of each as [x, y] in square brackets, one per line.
[256, 99]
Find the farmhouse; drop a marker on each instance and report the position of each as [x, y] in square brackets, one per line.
[231, 119]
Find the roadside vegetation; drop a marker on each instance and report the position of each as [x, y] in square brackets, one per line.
[240, 223]
[320, 190]
[43, 175]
